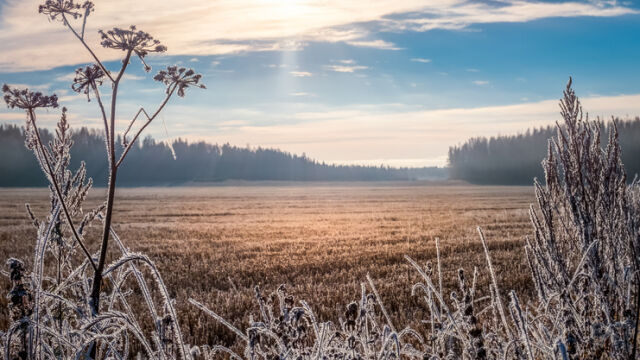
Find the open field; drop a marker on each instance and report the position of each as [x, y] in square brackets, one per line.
[215, 243]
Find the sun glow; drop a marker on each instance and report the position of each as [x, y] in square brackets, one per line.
[287, 9]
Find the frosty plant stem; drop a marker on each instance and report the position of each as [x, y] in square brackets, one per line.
[88, 81]
[32, 118]
[113, 172]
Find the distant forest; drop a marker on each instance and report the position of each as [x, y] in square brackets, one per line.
[516, 160]
[152, 163]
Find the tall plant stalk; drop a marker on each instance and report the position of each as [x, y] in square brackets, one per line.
[88, 81]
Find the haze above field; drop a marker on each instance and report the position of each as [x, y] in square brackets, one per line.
[394, 82]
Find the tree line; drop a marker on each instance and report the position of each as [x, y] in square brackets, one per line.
[158, 163]
[515, 159]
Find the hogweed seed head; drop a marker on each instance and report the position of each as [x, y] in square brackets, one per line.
[55, 9]
[87, 78]
[28, 100]
[43, 323]
[132, 39]
[179, 78]
[139, 42]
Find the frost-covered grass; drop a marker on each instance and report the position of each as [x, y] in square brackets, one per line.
[320, 240]
[585, 305]
[583, 257]
[583, 254]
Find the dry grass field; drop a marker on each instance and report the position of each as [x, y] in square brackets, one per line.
[216, 243]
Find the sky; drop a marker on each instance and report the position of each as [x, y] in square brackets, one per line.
[343, 81]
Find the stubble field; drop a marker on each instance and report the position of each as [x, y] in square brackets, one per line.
[215, 244]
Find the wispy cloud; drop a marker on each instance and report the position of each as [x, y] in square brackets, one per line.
[458, 15]
[421, 60]
[377, 44]
[65, 78]
[300, 73]
[481, 82]
[210, 28]
[70, 76]
[39, 87]
[133, 77]
[346, 66]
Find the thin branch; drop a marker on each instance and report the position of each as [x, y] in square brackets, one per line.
[495, 283]
[104, 117]
[81, 38]
[113, 171]
[125, 63]
[113, 167]
[84, 21]
[142, 110]
[379, 300]
[149, 120]
[57, 188]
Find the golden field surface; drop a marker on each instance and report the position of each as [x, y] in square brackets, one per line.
[215, 244]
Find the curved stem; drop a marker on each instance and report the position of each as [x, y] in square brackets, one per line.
[141, 111]
[104, 117]
[56, 186]
[149, 120]
[94, 298]
[81, 38]
[113, 172]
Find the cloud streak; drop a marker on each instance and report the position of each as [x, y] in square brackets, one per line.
[377, 44]
[203, 27]
[300, 73]
[346, 68]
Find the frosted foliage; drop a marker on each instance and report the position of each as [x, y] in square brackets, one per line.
[583, 255]
[584, 267]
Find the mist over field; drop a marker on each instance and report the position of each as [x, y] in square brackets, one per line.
[181, 163]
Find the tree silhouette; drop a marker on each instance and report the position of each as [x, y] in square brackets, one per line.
[515, 159]
[152, 163]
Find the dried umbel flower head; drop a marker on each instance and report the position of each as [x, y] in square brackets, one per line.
[28, 100]
[87, 78]
[60, 8]
[179, 78]
[140, 42]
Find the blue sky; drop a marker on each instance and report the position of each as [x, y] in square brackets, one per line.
[347, 82]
